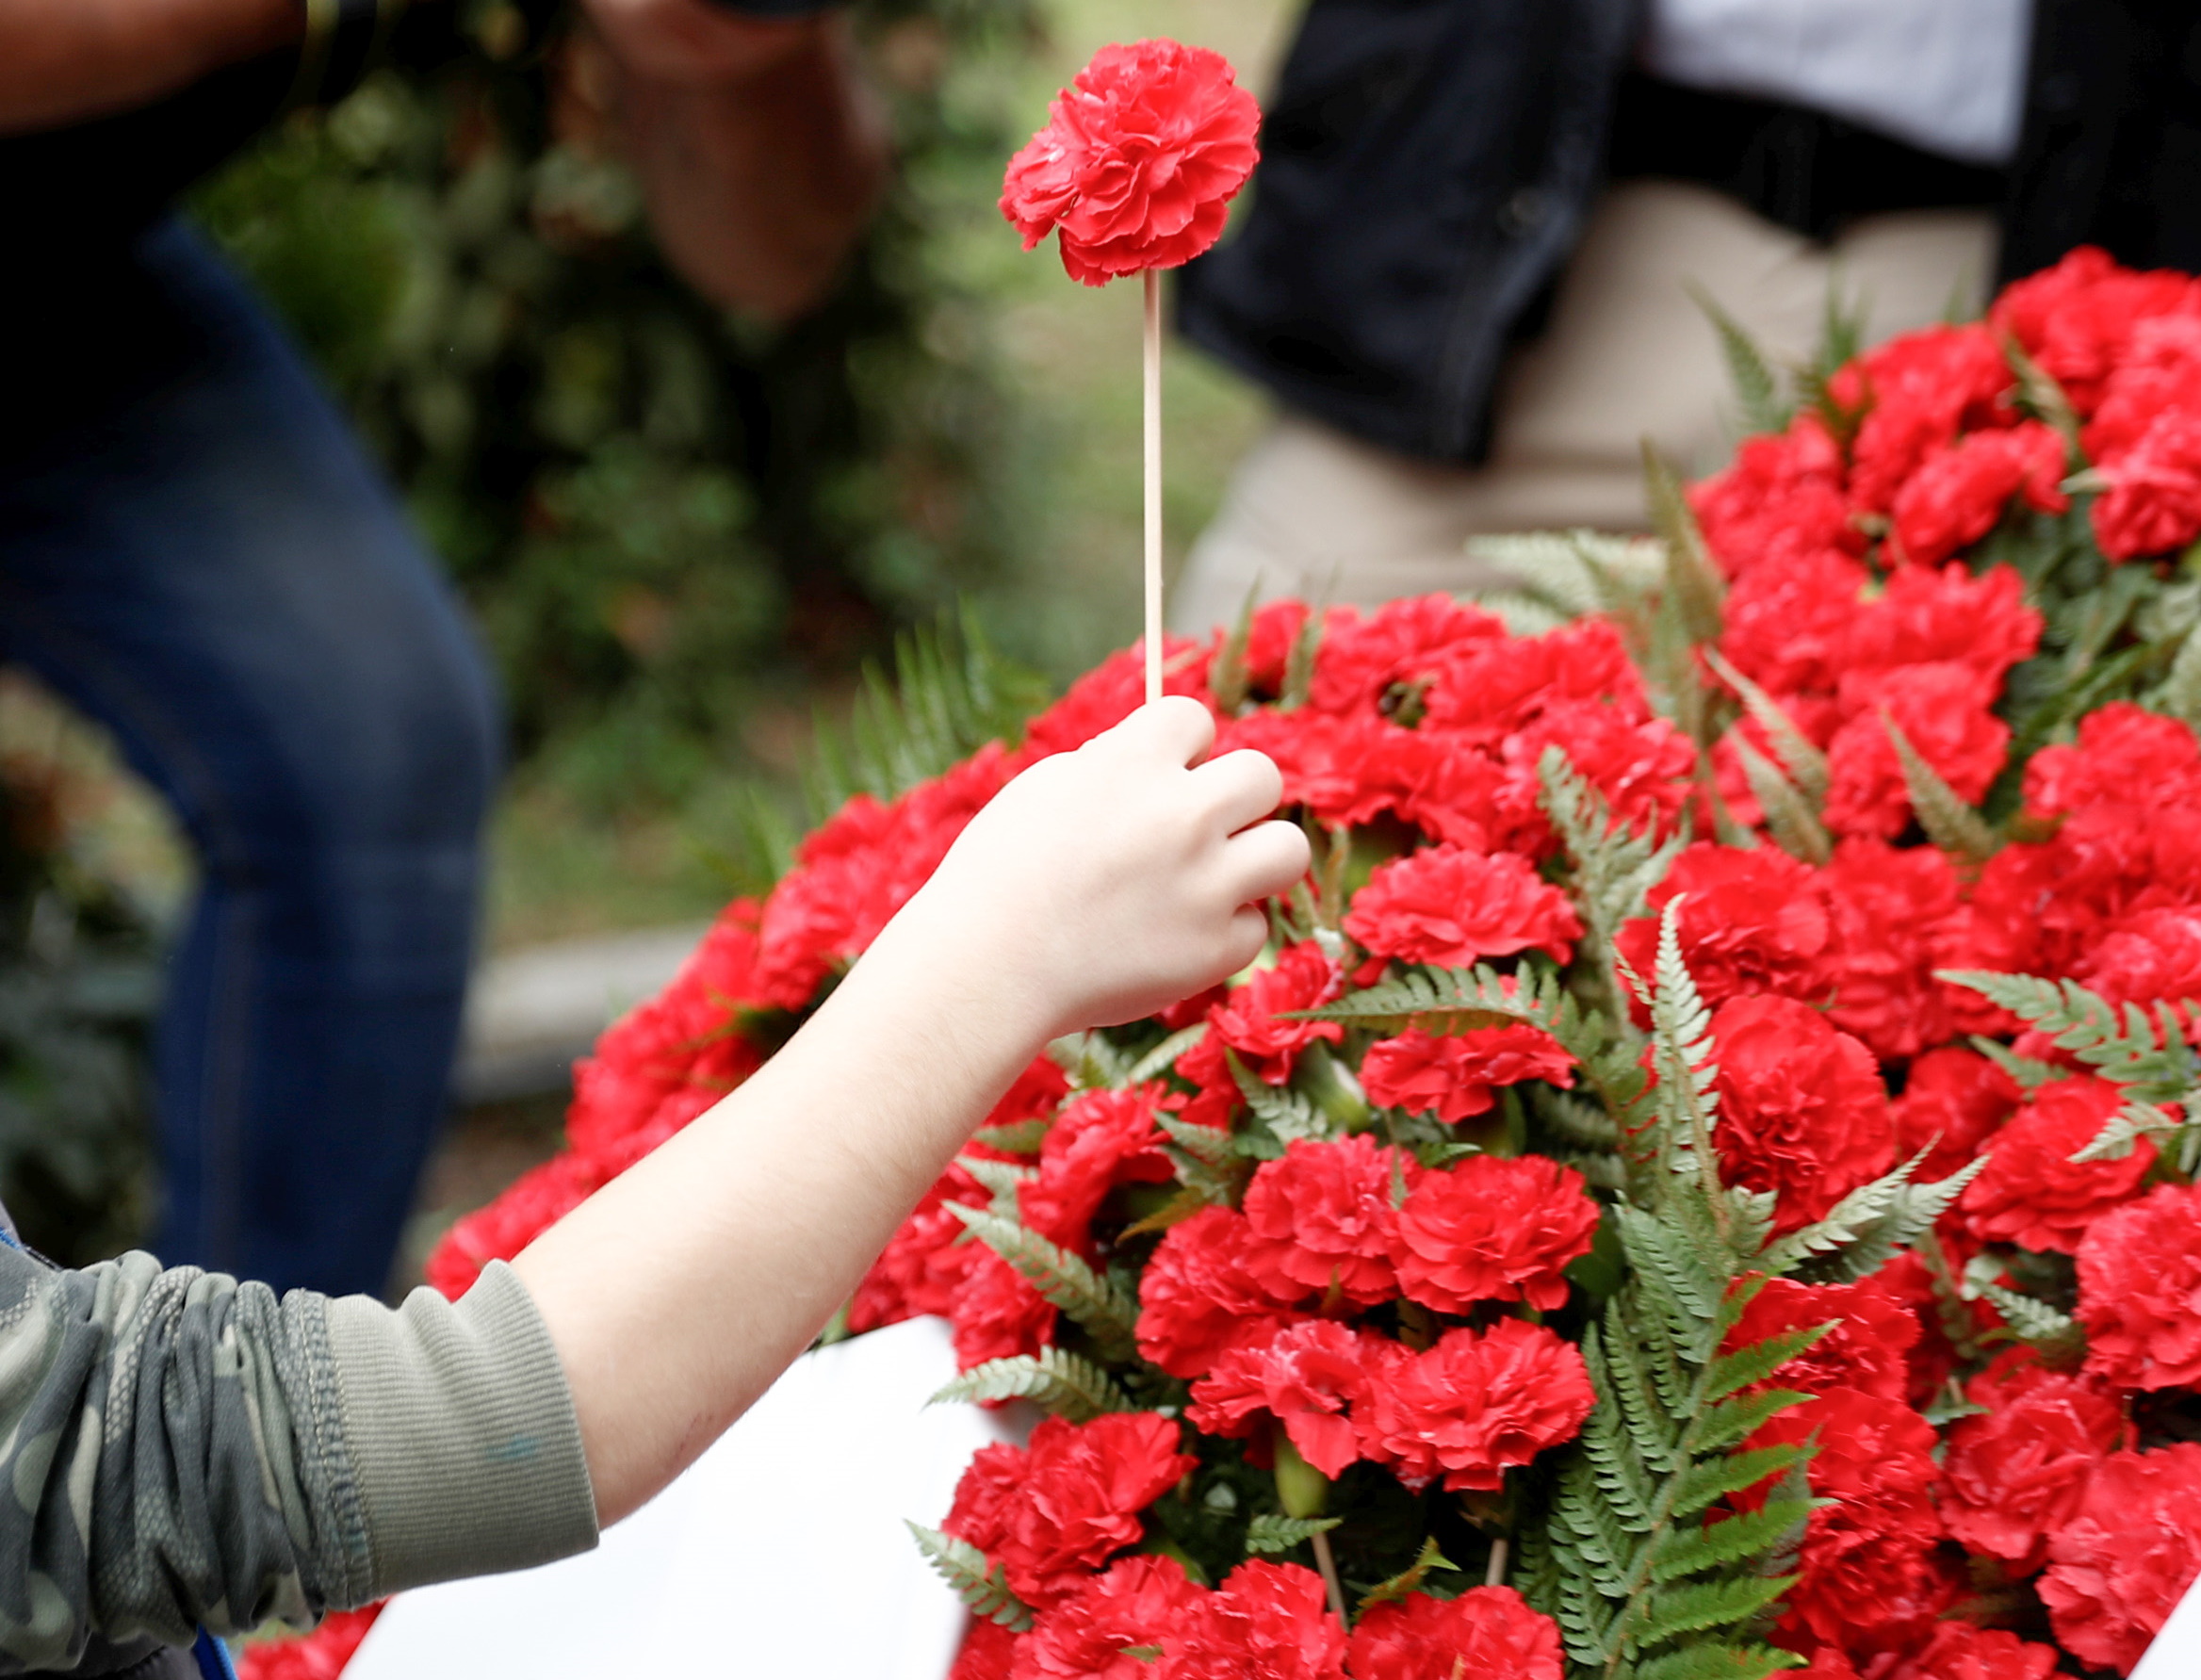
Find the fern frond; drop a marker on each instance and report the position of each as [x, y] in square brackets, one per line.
[2124, 1128]
[1093, 1061]
[1732, 1539]
[2026, 1071]
[1695, 1606]
[1108, 1314]
[1063, 1383]
[983, 1588]
[1693, 579]
[1713, 1662]
[1018, 1137]
[1804, 762]
[1567, 574]
[1681, 1047]
[1756, 386]
[2181, 690]
[1715, 1478]
[1002, 1180]
[1950, 823]
[2057, 1335]
[1227, 677]
[2146, 1053]
[1796, 827]
[1732, 1373]
[1272, 1531]
[1299, 662]
[1614, 868]
[1163, 1057]
[1285, 1115]
[1861, 1231]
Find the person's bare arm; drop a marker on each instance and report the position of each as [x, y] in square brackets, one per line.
[1098, 887]
[67, 61]
[761, 154]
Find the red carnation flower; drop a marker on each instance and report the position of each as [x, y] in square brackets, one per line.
[1487, 1633]
[1302, 978]
[1958, 1651]
[2140, 1291]
[1197, 1298]
[2154, 500]
[1918, 390]
[1957, 494]
[1780, 498]
[1801, 1109]
[2162, 369]
[2077, 320]
[2118, 1569]
[1483, 690]
[1943, 710]
[1456, 1075]
[1101, 1140]
[1265, 1622]
[1640, 765]
[1324, 1223]
[1953, 1101]
[1474, 1406]
[1751, 921]
[996, 1312]
[1139, 158]
[1305, 1378]
[1891, 908]
[1790, 624]
[1872, 1548]
[1937, 615]
[536, 1200]
[989, 1652]
[1136, 1603]
[1494, 1229]
[1403, 642]
[1115, 689]
[924, 1261]
[2017, 1474]
[1052, 1513]
[1448, 905]
[2151, 955]
[2123, 753]
[1866, 1350]
[2031, 1192]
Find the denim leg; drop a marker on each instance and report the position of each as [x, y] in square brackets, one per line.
[208, 565]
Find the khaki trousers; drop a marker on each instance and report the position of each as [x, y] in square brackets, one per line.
[1629, 353]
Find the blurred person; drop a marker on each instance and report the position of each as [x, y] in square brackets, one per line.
[1469, 272]
[196, 552]
[185, 1451]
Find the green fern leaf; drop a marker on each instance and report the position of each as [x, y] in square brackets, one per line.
[1693, 581]
[1731, 1373]
[2057, 1335]
[982, 1586]
[1000, 1179]
[1101, 1306]
[1285, 1115]
[1735, 1420]
[1408, 1578]
[1804, 762]
[1018, 1137]
[2124, 1128]
[1863, 1232]
[2147, 1053]
[1163, 1057]
[1274, 1532]
[1227, 680]
[1715, 1479]
[1756, 386]
[1950, 823]
[1061, 1383]
[1680, 1045]
[1713, 1662]
[2024, 1072]
[1299, 662]
[1570, 1119]
[1795, 827]
[1093, 1061]
[1732, 1539]
[1694, 1607]
[2182, 688]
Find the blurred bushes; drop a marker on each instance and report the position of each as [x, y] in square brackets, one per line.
[659, 513]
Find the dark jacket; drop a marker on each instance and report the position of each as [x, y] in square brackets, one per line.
[1429, 165]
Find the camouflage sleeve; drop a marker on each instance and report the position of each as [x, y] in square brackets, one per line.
[178, 1449]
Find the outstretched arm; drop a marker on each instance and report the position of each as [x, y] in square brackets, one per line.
[760, 151]
[69, 60]
[1096, 888]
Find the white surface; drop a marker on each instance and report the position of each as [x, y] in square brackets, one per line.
[2176, 1652]
[1946, 75]
[780, 1553]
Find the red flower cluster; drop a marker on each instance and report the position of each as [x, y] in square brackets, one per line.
[1140, 157]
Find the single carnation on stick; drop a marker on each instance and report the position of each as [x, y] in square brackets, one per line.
[1140, 159]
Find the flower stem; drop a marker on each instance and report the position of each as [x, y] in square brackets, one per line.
[1329, 1566]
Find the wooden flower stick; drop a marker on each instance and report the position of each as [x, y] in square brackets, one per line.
[1153, 406]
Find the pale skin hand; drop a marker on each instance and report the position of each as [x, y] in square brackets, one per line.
[65, 61]
[1098, 887]
[760, 151]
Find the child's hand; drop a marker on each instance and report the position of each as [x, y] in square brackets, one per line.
[1103, 885]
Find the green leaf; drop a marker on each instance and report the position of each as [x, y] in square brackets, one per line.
[1061, 1383]
[2132, 1047]
[1163, 1057]
[1000, 1179]
[1018, 1137]
[1804, 762]
[1735, 1538]
[1694, 1607]
[1755, 384]
[1716, 1661]
[1227, 679]
[1271, 1531]
[983, 1588]
[1796, 827]
[1106, 1311]
[2124, 1128]
[1737, 1419]
[1731, 1373]
[1693, 579]
[1408, 1578]
[1949, 821]
[2182, 688]
[1863, 1232]
[1715, 1479]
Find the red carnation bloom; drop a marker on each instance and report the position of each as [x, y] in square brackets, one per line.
[1448, 905]
[1101, 1140]
[1890, 911]
[1953, 1101]
[1404, 642]
[2118, 1569]
[1640, 765]
[1866, 1350]
[1801, 1109]
[1943, 710]
[1780, 498]
[1494, 1229]
[1474, 1406]
[1957, 494]
[1265, 1622]
[2151, 955]
[1487, 1633]
[1456, 1075]
[2123, 753]
[1055, 1511]
[2031, 1192]
[1873, 1546]
[1323, 1221]
[1115, 689]
[1485, 690]
[989, 1652]
[2140, 1291]
[924, 1261]
[1305, 1379]
[1136, 1602]
[1918, 390]
[1752, 922]
[2154, 500]
[996, 1312]
[536, 1200]
[1790, 624]
[1139, 158]
[321, 1654]
[1958, 1651]
[1935, 615]
[2017, 1474]
[1302, 978]
[2161, 371]
[1197, 1298]
[2077, 320]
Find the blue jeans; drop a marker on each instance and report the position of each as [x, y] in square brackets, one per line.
[194, 551]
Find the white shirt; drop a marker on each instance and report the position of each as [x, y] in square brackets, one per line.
[1945, 76]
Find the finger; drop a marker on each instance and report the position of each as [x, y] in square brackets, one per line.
[1177, 725]
[1240, 787]
[1245, 940]
[1265, 860]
